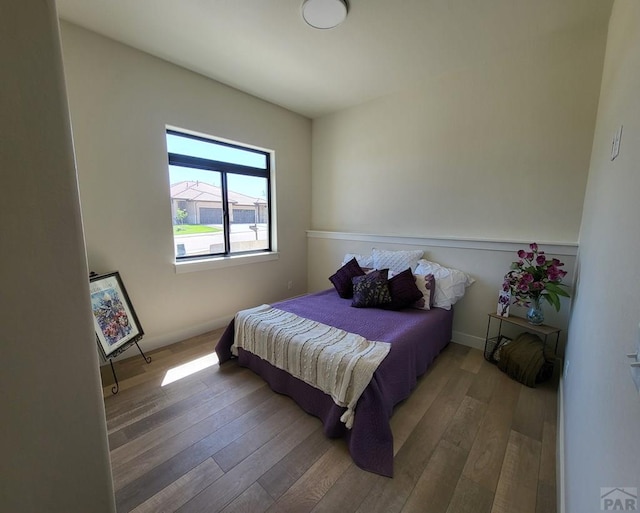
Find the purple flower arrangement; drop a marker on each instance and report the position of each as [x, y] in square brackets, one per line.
[535, 277]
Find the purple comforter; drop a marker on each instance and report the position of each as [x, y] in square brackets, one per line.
[416, 337]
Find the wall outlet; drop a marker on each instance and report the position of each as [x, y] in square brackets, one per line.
[289, 285]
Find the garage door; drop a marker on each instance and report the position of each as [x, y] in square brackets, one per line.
[210, 216]
[242, 216]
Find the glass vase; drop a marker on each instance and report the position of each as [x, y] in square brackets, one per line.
[535, 315]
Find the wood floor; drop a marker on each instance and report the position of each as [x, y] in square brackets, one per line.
[469, 439]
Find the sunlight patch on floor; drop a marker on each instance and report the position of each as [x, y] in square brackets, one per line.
[189, 368]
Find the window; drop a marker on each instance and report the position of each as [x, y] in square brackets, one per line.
[220, 197]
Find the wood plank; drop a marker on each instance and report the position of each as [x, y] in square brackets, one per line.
[470, 497]
[196, 443]
[242, 447]
[415, 453]
[549, 392]
[433, 492]
[132, 365]
[181, 490]
[408, 413]
[518, 486]
[348, 493]
[136, 408]
[466, 422]
[131, 408]
[118, 439]
[529, 414]
[223, 425]
[486, 455]
[484, 384]
[158, 417]
[254, 499]
[223, 491]
[154, 373]
[438, 480]
[154, 403]
[136, 397]
[305, 493]
[161, 475]
[473, 361]
[457, 352]
[279, 478]
[548, 458]
[160, 434]
[546, 499]
[355, 485]
[158, 476]
[153, 382]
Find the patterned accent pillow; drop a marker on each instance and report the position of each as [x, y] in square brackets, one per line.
[404, 291]
[341, 279]
[371, 290]
[451, 284]
[396, 261]
[426, 284]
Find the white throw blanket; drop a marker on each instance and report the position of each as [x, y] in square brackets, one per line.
[339, 363]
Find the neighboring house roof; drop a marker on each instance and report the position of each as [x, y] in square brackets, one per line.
[201, 191]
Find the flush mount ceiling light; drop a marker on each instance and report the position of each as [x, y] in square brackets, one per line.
[324, 14]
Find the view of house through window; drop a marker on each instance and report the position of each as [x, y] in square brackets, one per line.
[220, 196]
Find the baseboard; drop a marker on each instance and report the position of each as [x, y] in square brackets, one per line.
[468, 340]
[560, 485]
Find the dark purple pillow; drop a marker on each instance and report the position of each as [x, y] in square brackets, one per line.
[341, 279]
[404, 291]
[371, 290]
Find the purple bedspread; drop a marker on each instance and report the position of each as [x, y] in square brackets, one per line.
[417, 336]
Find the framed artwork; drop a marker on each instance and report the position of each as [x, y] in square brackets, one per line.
[116, 323]
[504, 300]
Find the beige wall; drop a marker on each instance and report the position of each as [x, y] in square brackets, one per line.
[601, 404]
[498, 151]
[53, 436]
[120, 101]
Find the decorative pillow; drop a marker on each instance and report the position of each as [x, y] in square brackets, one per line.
[363, 261]
[426, 284]
[371, 290]
[451, 284]
[404, 291]
[396, 261]
[342, 278]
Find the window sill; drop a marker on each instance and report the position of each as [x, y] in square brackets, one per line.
[205, 264]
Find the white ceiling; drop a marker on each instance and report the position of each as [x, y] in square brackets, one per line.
[263, 47]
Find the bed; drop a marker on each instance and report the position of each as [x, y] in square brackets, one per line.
[416, 338]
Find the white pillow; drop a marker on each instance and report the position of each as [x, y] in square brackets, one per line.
[363, 261]
[396, 261]
[451, 284]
